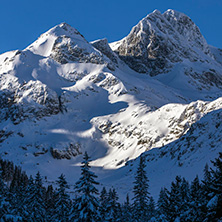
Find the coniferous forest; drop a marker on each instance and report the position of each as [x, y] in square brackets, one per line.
[24, 198]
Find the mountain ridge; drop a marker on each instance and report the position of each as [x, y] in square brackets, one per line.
[63, 95]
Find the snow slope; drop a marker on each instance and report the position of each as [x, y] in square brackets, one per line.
[186, 156]
[62, 96]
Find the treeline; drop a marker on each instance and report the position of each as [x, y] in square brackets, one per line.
[26, 199]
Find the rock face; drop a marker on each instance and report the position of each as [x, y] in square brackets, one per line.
[159, 41]
[39, 101]
[103, 46]
[23, 91]
[74, 48]
[203, 138]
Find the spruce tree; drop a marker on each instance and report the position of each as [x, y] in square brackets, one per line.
[87, 204]
[17, 191]
[185, 199]
[141, 194]
[3, 203]
[151, 209]
[196, 203]
[103, 204]
[5, 206]
[17, 199]
[175, 199]
[207, 180]
[215, 188]
[113, 207]
[50, 199]
[63, 203]
[163, 205]
[34, 201]
[127, 211]
[7, 170]
[74, 212]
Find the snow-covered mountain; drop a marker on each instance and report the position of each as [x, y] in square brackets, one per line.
[63, 95]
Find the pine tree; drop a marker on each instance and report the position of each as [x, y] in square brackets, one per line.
[151, 209]
[113, 207]
[34, 202]
[17, 200]
[63, 203]
[17, 191]
[127, 211]
[175, 199]
[7, 170]
[74, 212]
[50, 199]
[196, 203]
[5, 206]
[87, 203]
[185, 199]
[163, 205]
[103, 204]
[207, 180]
[141, 194]
[215, 188]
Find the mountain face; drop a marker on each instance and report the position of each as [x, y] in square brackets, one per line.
[159, 41]
[63, 95]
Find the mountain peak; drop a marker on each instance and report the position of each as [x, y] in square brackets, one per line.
[155, 12]
[45, 43]
[63, 29]
[159, 40]
[174, 13]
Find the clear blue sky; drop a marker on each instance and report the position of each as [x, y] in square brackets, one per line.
[22, 21]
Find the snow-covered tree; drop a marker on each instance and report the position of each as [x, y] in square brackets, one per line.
[215, 189]
[178, 198]
[141, 194]
[17, 191]
[34, 201]
[87, 204]
[5, 206]
[63, 202]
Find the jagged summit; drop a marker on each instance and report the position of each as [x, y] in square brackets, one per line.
[187, 28]
[63, 29]
[47, 42]
[160, 40]
[64, 44]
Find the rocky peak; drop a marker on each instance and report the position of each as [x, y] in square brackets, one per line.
[64, 29]
[44, 44]
[187, 28]
[103, 46]
[65, 44]
[160, 40]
